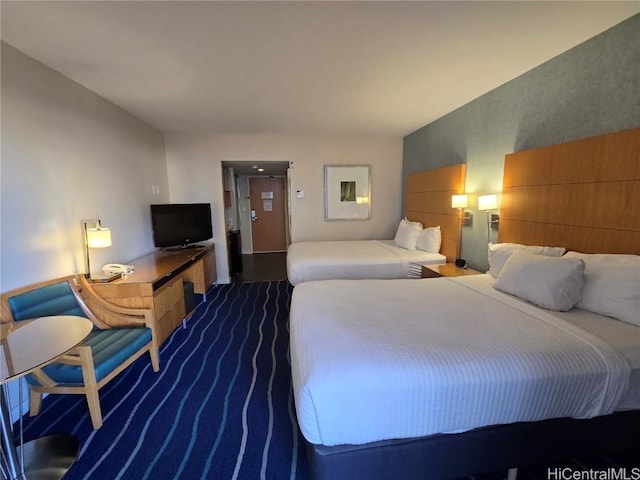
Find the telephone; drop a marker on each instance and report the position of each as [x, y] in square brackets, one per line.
[118, 268]
[461, 263]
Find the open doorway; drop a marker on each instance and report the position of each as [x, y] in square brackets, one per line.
[267, 235]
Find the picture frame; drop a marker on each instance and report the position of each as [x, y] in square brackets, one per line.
[347, 192]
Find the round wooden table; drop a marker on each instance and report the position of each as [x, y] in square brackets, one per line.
[25, 346]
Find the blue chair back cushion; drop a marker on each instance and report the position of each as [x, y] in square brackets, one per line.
[110, 349]
[50, 300]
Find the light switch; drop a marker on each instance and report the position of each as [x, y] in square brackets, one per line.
[299, 193]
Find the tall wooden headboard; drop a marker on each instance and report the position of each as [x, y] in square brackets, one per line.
[582, 195]
[428, 201]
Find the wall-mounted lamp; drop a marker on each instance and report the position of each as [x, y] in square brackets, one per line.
[488, 203]
[96, 236]
[460, 202]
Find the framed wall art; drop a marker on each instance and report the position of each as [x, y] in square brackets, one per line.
[347, 192]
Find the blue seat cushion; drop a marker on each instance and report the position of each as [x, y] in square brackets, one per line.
[110, 348]
[50, 300]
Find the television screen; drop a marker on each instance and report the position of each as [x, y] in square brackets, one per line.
[181, 224]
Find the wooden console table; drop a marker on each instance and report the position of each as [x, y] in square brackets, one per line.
[157, 284]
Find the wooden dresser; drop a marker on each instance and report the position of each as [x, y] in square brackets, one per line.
[157, 284]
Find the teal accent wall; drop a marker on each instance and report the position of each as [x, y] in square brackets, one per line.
[590, 90]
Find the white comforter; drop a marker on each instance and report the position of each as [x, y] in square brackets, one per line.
[353, 259]
[375, 360]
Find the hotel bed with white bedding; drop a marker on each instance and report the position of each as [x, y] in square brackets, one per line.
[383, 259]
[377, 360]
[404, 376]
[534, 363]
[430, 233]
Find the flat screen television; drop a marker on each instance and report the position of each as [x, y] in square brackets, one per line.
[180, 224]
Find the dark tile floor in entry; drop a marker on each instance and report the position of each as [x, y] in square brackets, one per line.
[262, 267]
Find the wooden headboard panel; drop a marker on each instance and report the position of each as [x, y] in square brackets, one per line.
[582, 195]
[428, 201]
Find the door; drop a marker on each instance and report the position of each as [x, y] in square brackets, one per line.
[267, 201]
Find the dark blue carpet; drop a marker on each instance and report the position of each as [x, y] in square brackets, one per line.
[221, 406]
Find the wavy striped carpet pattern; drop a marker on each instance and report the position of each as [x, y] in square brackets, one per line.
[221, 406]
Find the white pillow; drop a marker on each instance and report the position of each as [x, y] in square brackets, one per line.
[500, 252]
[429, 240]
[611, 285]
[551, 283]
[407, 234]
[409, 222]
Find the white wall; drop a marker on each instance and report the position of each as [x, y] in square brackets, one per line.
[244, 207]
[68, 154]
[195, 174]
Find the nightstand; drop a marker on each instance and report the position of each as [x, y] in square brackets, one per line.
[446, 270]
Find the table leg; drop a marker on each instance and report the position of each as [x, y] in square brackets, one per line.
[9, 452]
[44, 458]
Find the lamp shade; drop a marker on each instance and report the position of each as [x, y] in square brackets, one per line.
[98, 237]
[487, 202]
[459, 201]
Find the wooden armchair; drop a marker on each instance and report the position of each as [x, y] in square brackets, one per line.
[107, 351]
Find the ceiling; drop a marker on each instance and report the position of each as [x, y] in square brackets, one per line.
[321, 68]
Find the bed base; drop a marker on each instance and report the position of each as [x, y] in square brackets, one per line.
[487, 449]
